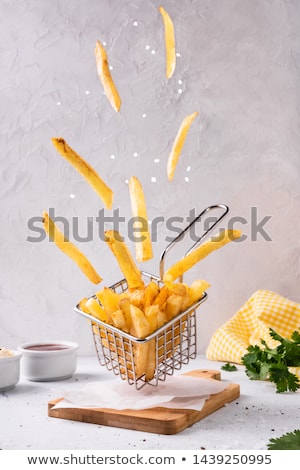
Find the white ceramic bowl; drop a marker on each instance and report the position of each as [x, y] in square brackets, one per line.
[45, 361]
[9, 371]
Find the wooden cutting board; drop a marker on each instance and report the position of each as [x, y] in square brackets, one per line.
[155, 420]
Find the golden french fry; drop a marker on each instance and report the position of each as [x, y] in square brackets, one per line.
[95, 309]
[110, 301]
[173, 305]
[124, 259]
[82, 305]
[194, 293]
[140, 354]
[143, 245]
[124, 305]
[196, 290]
[179, 289]
[161, 318]
[169, 42]
[186, 263]
[178, 144]
[151, 314]
[119, 320]
[151, 361]
[151, 291]
[106, 78]
[140, 328]
[69, 249]
[139, 324]
[137, 297]
[161, 298]
[85, 169]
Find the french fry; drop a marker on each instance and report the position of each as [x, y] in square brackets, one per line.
[139, 324]
[85, 170]
[140, 328]
[126, 263]
[161, 298]
[143, 245]
[110, 301]
[179, 289]
[151, 291]
[178, 144]
[152, 315]
[137, 297]
[95, 309]
[83, 307]
[194, 293]
[173, 305]
[169, 42]
[186, 263]
[197, 289]
[119, 320]
[106, 78]
[69, 249]
[151, 361]
[161, 318]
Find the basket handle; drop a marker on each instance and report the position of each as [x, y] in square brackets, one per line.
[187, 229]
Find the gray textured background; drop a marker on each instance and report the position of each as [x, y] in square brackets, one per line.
[238, 66]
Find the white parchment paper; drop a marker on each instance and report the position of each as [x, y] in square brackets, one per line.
[177, 392]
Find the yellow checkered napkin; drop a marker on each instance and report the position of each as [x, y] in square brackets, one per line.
[251, 323]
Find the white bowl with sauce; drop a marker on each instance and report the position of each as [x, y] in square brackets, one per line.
[45, 361]
[9, 370]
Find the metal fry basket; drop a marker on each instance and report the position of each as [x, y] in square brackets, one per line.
[168, 348]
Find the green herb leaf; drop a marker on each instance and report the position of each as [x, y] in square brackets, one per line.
[289, 441]
[265, 363]
[285, 381]
[229, 367]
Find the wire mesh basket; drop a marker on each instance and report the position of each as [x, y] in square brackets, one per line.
[148, 360]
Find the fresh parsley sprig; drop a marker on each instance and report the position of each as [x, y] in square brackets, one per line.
[229, 367]
[265, 363]
[288, 441]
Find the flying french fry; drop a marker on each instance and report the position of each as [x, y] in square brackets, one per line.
[169, 43]
[85, 169]
[106, 78]
[69, 249]
[186, 263]
[143, 246]
[123, 256]
[178, 144]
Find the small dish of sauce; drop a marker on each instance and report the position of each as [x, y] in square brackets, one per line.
[44, 361]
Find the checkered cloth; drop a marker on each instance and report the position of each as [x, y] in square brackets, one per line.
[251, 323]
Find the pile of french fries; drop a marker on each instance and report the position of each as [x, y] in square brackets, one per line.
[140, 312]
[142, 308]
